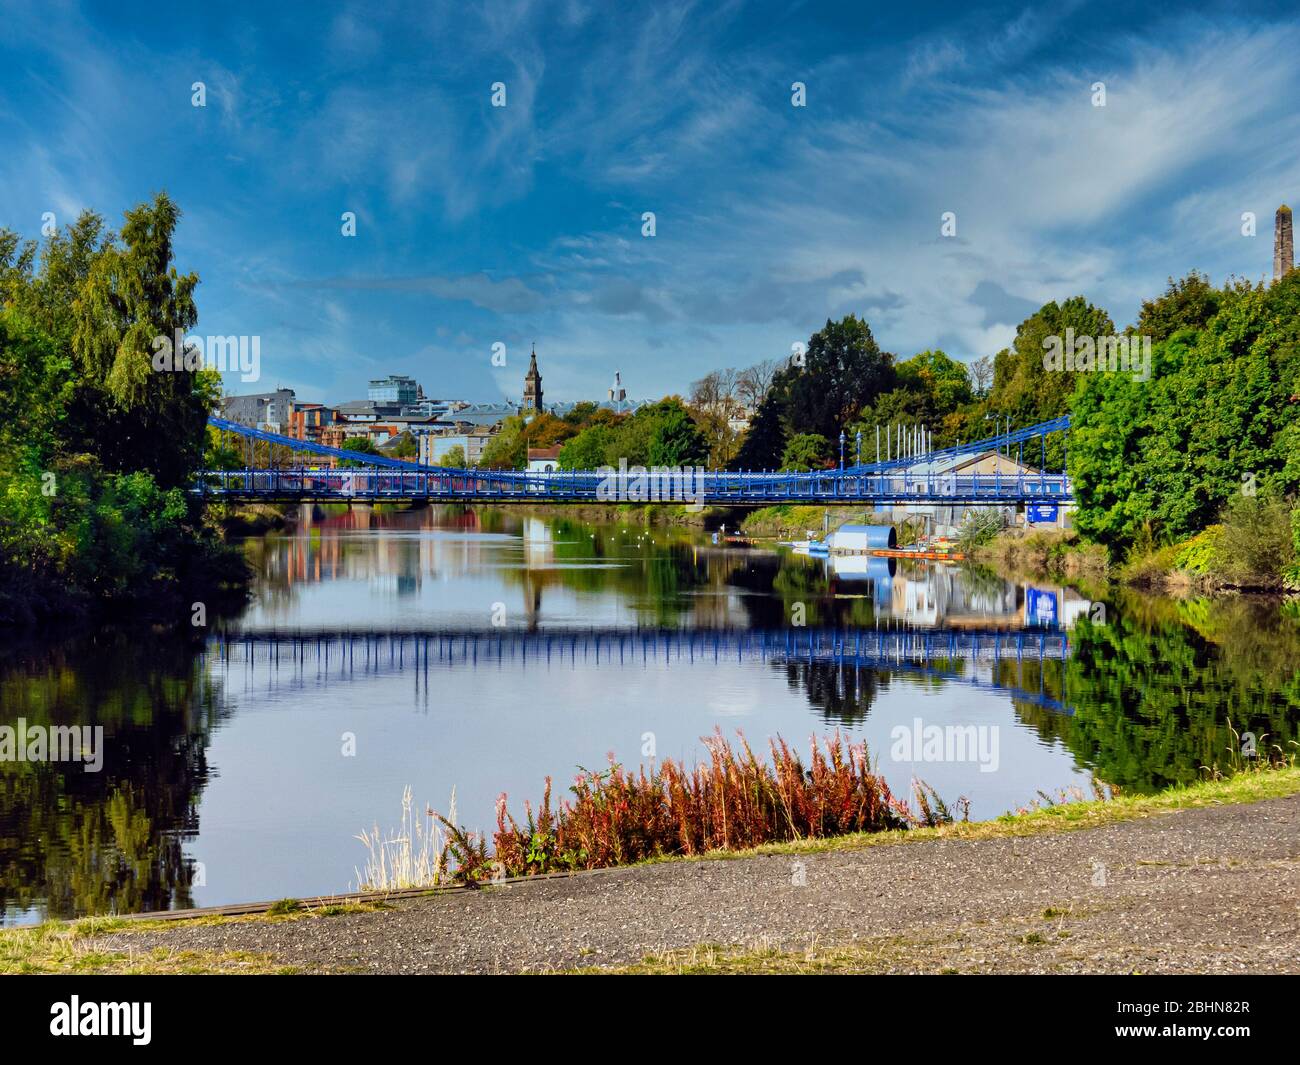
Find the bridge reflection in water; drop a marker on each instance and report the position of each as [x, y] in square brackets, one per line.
[319, 659]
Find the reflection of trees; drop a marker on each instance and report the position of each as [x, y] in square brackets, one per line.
[841, 693]
[1153, 696]
[77, 842]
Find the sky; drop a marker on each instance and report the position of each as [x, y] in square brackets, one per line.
[479, 225]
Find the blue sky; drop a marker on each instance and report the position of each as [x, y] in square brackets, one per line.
[478, 225]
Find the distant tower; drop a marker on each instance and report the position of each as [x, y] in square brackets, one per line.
[1283, 248]
[618, 393]
[533, 385]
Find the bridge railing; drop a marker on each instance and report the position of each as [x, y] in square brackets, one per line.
[714, 487]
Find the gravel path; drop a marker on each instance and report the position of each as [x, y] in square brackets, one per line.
[1200, 891]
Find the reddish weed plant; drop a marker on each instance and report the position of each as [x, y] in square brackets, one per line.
[732, 801]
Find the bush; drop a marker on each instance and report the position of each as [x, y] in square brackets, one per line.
[1255, 546]
[735, 801]
[979, 528]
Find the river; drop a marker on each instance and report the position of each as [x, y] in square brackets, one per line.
[481, 651]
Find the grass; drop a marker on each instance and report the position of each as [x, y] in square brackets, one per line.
[414, 855]
[76, 947]
[81, 946]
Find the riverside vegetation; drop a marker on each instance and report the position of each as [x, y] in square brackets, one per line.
[737, 803]
[97, 451]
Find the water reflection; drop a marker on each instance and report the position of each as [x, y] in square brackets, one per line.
[483, 650]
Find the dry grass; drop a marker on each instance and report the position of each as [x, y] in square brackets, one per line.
[415, 855]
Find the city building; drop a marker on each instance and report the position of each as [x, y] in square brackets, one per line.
[395, 390]
[308, 420]
[262, 410]
[435, 446]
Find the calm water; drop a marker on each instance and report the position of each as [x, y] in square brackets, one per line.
[481, 652]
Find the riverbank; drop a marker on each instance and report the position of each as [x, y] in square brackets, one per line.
[1200, 879]
[1038, 553]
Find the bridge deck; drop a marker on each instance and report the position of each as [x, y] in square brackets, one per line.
[375, 484]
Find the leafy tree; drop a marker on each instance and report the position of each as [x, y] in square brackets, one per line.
[455, 458]
[764, 442]
[1022, 387]
[806, 452]
[97, 448]
[405, 448]
[1188, 303]
[1219, 411]
[132, 298]
[587, 450]
[508, 447]
[676, 440]
[844, 369]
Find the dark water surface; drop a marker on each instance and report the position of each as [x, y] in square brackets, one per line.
[483, 651]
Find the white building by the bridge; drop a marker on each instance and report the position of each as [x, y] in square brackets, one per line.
[947, 518]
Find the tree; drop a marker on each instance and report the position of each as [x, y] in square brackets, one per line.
[806, 452]
[454, 457]
[676, 440]
[586, 451]
[508, 447]
[1219, 412]
[1188, 303]
[981, 373]
[84, 412]
[131, 300]
[362, 444]
[764, 443]
[1023, 388]
[754, 382]
[844, 369]
[405, 447]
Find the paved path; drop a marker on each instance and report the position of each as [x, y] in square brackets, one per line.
[1199, 891]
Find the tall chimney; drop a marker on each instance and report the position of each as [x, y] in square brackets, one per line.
[1283, 248]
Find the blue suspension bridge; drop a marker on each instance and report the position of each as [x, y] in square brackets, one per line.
[267, 659]
[926, 478]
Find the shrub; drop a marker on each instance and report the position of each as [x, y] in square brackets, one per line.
[1255, 545]
[734, 801]
[979, 528]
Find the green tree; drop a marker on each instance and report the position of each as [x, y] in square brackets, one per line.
[586, 451]
[455, 458]
[676, 440]
[508, 447]
[131, 301]
[1219, 412]
[806, 452]
[844, 369]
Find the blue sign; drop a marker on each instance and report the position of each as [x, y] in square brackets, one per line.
[1038, 512]
[1040, 607]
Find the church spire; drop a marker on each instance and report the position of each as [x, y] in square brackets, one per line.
[533, 384]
